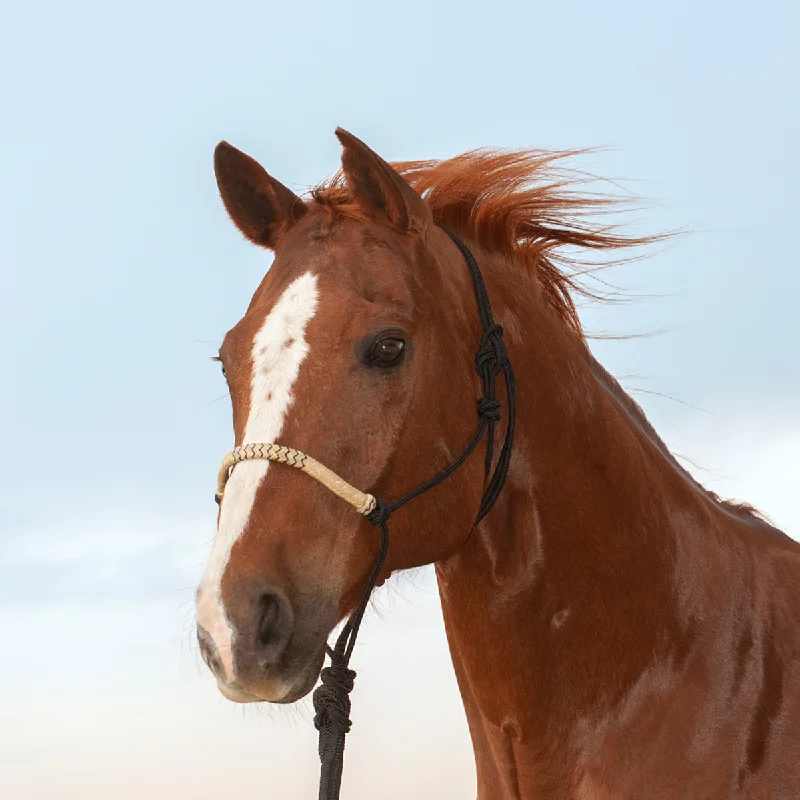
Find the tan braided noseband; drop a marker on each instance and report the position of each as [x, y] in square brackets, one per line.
[362, 502]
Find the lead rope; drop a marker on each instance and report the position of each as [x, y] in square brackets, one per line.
[332, 697]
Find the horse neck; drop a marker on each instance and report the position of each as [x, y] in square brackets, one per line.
[585, 569]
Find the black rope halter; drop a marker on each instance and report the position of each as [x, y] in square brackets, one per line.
[332, 696]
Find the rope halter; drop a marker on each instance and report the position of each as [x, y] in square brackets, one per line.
[331, 698]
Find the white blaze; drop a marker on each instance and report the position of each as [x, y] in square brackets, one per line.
[279, 348]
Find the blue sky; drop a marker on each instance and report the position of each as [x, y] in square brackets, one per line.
[119, 275]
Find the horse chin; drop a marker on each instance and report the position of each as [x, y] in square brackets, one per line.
[305, 682]
[230, 691]
[266, 693]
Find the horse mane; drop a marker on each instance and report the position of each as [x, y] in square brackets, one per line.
[529, 209]
[736, 508]
[521, 205]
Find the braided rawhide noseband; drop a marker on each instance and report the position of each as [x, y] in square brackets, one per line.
[363, 503]
[332, 696]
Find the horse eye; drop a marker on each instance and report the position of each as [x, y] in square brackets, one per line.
[222, 367]
[387, 351]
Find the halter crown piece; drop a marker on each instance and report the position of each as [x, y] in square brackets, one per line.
[331, 698]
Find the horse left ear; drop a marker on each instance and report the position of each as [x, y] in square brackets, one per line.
[262, 208]
[379, 187]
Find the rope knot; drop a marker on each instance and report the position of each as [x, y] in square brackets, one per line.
[491, 355]
[380, 513]
[332, 701]
[489, 409]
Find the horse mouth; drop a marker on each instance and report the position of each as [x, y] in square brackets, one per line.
[305, 683]
[230, 691]
[286, 692]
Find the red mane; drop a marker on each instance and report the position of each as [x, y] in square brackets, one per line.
[523, 205]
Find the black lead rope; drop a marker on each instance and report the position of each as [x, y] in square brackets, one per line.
[332, 696]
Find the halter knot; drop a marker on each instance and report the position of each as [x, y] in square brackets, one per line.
[489, 409]
[332, 703]
[380, 513]
[491, 355]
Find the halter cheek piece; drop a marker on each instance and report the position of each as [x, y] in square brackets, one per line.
[331, 698]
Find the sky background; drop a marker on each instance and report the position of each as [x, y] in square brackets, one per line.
[120, 273]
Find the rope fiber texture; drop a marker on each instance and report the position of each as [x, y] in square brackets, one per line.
[362, 502]
[332, 697]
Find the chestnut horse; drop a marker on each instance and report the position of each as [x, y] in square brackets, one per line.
[617, 630]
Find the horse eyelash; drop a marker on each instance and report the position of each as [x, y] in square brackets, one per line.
[219, 361]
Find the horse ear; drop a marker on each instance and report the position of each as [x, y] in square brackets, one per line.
[379, 187]
[262, 208]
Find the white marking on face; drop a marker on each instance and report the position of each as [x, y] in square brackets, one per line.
[279, 348]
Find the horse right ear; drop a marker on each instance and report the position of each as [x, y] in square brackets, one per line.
[379, 188]
[262, 208]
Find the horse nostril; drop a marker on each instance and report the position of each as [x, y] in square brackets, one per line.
[274, 628]
[270, 616]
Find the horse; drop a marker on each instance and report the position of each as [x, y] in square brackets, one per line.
[616, 629]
